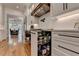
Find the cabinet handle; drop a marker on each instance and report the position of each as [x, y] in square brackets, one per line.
[68, 36]
[65, 6]
[68, 49]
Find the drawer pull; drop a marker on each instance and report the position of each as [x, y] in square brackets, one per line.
[68, 49]
[68, 36]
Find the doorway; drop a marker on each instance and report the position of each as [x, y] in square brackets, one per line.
[15, 33]
[15, 29]
[17, 40]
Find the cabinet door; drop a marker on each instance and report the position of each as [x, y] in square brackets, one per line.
[73, 6]
[58, 8]
[34, 46]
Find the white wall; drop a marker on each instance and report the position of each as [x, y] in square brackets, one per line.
[49, 21]
[30, 19]
[2, 26]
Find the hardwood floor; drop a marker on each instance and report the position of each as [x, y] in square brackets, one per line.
[18, 49]
[27, 47]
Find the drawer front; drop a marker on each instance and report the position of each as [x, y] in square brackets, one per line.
[66, 48]
[68, 38]
[58, 52]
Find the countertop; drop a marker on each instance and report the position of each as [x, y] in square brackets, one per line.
[66, 30]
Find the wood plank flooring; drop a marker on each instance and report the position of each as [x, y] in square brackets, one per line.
[27, 47]
[19, 49]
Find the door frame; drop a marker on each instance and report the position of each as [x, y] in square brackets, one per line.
[8, 16]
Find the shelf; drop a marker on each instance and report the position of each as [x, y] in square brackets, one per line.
[44, 43]
[41, 9]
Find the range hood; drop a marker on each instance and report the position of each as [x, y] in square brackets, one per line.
[41, 9]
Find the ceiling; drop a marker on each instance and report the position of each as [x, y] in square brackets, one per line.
[16, 6]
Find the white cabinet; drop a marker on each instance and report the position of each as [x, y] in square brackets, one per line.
[60, 8]
[34, 43]
[65, 45]
[56, 9]
[73, 6]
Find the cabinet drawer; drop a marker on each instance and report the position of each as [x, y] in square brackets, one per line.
[68, 49]
[68, 38]
[71, 39]
[58, 52]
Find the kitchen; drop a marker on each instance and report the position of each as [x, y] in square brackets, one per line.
[41, 29]
[62, 22]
